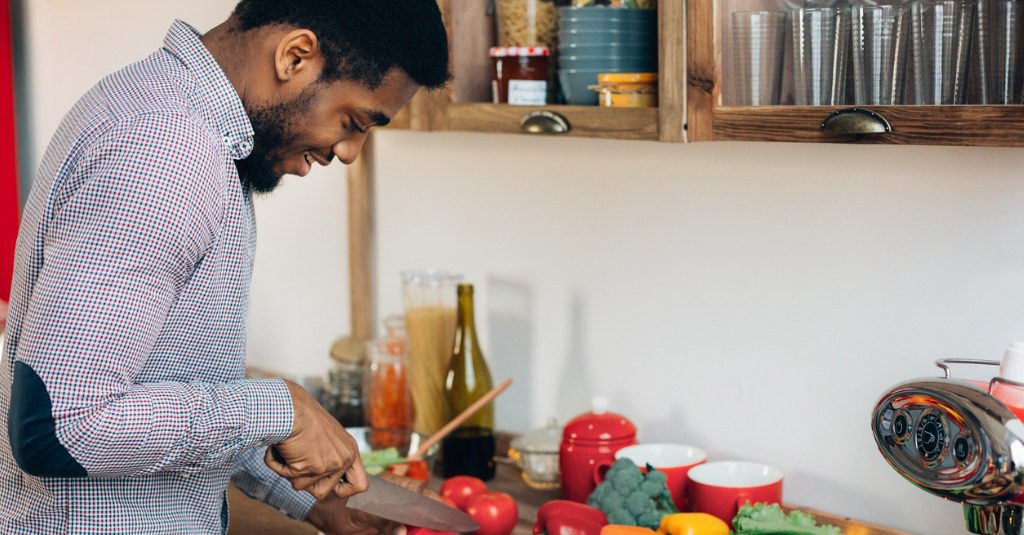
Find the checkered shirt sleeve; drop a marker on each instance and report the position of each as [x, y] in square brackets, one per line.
[118, 252]
[259, 482]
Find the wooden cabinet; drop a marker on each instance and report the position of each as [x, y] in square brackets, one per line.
[690, 93]
[466, 104]
[709, 120]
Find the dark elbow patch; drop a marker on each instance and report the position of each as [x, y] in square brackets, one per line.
[31, 429]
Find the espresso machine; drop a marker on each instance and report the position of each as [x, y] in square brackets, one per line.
[962, 440]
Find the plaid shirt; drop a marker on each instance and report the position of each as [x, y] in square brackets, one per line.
[125, 346]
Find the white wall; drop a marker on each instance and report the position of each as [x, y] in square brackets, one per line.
[752, 299]
[299, 299]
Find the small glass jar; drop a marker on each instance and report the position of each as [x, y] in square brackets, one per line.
[388, 396]
[519, 75]
[627, 89]
[343, 395]
[536, 453]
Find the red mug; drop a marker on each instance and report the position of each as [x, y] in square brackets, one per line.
[721, 488]
[675, 460]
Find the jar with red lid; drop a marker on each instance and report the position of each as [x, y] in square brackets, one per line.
[519, 75]
[589, 443]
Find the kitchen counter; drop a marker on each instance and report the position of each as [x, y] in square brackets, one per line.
[251, 517]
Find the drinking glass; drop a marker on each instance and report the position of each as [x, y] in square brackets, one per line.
[820, 43]
[941, 44]
[998, 56]
[879, 35]
[757, 54]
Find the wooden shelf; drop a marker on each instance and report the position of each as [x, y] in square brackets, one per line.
[584, 121]
[995, 126]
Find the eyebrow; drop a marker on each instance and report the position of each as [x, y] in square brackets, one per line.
[379, 118]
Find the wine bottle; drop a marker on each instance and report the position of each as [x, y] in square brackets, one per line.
[469, 450]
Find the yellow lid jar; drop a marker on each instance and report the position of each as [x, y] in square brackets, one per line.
[627, 89]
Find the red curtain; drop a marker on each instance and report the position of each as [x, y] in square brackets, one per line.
[8, 154]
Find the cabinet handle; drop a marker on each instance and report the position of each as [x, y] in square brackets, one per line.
[544, 122]
[856, 121]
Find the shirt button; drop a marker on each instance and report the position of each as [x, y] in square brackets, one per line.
[244, 146]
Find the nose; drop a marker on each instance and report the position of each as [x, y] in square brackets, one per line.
[348, 150]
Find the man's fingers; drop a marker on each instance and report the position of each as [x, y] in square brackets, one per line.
[278, 468]
[323, 487]
[355, 481]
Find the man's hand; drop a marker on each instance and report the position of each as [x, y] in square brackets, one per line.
[320, 457]
[333, 517]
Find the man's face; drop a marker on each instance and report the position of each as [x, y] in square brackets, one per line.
[324, 121]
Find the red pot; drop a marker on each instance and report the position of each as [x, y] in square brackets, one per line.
[589, 443]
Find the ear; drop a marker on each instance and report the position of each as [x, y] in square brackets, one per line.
[297, 55]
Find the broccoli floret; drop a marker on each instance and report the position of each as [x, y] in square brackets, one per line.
[611, 500]
[625, 476]
[649, 519]
[631, 498]
[620, 517]
[639, 503]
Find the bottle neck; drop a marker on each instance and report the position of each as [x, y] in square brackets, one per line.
[466, 306]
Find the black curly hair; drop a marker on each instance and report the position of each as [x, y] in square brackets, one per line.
[362, 40]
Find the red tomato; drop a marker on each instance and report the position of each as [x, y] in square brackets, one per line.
[460, 489]
[496, 512]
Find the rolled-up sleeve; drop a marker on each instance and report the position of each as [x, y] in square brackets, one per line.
[117, 253]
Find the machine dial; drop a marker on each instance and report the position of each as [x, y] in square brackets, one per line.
[931, 438]
[901, 423]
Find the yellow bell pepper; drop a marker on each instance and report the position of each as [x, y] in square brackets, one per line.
[614, 529]
[692, 524]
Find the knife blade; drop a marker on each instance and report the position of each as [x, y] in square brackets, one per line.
[399, 504]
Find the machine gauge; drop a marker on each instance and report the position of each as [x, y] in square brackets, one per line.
[901, 423]
[962, 449]
[931, 438]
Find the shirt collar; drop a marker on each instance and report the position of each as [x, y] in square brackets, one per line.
[214, 94]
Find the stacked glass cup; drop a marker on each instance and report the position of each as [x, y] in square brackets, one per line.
[877, 52]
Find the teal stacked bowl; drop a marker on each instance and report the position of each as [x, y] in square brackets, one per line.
[593, 40]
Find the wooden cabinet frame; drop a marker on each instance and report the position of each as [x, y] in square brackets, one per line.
[993, 126]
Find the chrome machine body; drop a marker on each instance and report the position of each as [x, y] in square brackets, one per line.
[956, 440]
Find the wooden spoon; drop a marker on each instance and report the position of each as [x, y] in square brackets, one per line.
[450, 426]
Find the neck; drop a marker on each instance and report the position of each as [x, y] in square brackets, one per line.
[228, 47]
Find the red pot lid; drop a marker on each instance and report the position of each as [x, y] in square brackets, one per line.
[599, 425]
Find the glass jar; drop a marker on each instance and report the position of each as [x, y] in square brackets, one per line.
[388, 396]
[536, 453]
[627, 89]
[429, 298]
[519, 75]
[527, 23]
[343, 395]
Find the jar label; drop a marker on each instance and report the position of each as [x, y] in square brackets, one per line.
[527, 92]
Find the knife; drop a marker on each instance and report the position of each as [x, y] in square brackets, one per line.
[399, 504]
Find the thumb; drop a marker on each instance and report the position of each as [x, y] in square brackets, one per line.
[400, 530]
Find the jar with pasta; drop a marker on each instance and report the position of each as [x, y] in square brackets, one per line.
[527, 23]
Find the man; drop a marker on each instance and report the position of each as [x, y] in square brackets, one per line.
[122, 395]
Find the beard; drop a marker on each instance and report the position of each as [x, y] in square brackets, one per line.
[273, 127]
